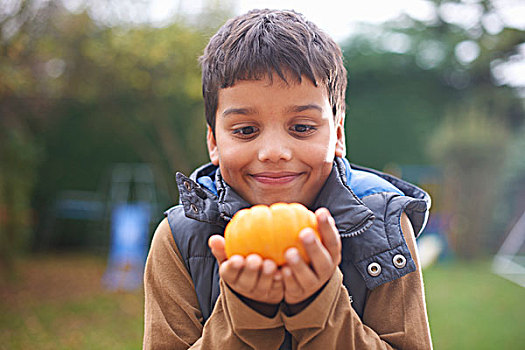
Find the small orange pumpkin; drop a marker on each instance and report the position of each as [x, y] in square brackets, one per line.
[268, 231]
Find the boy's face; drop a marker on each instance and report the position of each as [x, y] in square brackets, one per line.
[275, 142]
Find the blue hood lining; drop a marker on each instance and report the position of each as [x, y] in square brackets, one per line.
[208, 182]
[364, 183]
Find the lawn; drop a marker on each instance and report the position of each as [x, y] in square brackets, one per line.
[58, 303]
[471, 308]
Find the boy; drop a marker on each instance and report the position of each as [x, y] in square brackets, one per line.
[274, 88]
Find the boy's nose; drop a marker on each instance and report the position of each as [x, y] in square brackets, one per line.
[273, 150]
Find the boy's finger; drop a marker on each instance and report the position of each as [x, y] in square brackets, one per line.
[216, 244]
[230, 270]
[291, 286]
[278, 276]
[266, 278]
[329, 234]
[321, 261]
[250, 273]
[276, 292]
[304, 276]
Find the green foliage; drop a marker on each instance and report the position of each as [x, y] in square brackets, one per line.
[405, 75]
[469, 145]
[95, 95]
[413, 99]
[18, 160]
[515, 162]
[392, 107]
[511, 188]
[468, 138]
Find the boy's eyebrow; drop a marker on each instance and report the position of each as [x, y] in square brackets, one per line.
[243, 111]
[301, 108]
[291, 109]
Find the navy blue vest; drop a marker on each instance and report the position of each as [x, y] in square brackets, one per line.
[366, 206]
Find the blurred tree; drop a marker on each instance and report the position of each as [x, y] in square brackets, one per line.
[510, 196]
[405, 75]
[20, 112]
[18, 161]
[92, 93]
[471, 145]
[432, 75]
[392, 105]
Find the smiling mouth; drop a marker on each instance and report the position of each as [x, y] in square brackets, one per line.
[275, 178]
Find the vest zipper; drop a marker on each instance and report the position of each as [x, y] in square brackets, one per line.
[360, 228]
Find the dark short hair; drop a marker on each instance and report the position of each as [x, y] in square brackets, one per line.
[261, 42]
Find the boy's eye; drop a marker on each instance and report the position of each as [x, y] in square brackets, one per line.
[245, 131]
[302, 128]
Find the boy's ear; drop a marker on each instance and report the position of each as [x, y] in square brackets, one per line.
[340, 146]
[212, 147]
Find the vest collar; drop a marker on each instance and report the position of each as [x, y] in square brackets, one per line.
[352, 217]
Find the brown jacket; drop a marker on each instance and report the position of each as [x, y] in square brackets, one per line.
[394, 317]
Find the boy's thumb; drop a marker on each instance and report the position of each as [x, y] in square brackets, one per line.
[216, 244]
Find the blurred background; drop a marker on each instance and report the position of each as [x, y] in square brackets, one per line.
[100, 105]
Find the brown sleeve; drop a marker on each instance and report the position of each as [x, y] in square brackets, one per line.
[394, 317]
[172, 318]
[397, 310]
[172, 315]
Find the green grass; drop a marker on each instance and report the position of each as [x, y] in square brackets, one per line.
[102, 322]
[59, 303]
[471, 308]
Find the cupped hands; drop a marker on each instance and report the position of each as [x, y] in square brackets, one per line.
[261, 280]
